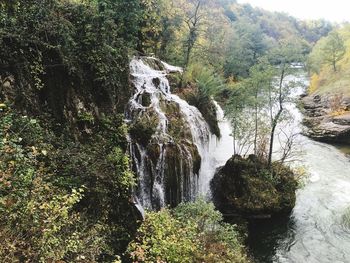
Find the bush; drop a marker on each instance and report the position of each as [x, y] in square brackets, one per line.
[38, 220]
[204, 84]
[192, 232]
[59, 199]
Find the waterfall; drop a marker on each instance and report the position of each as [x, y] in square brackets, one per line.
[178, 161]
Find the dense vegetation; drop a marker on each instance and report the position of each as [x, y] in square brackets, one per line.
[329, 63]
[62, 199]
[65, 178]
[192, 232]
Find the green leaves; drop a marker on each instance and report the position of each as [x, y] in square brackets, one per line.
[62, 200]
[333, 49]
[192, 232]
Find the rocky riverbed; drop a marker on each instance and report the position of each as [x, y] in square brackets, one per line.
[327, 118]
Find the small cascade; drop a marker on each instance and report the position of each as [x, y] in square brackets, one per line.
[220, 150]
[172, 149]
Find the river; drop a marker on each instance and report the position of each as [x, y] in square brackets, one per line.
[315, 231]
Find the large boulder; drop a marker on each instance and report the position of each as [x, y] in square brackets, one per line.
[246, 187]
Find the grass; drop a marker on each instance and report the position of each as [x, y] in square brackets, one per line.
[334, 83]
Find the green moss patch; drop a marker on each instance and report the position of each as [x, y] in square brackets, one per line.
[249, 188]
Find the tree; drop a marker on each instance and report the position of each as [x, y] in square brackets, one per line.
[248, 44]
[150, 27]
[171, 21]
[261, 99]
[247, 108]
[282, 58]
[334, 49]
[193, 21]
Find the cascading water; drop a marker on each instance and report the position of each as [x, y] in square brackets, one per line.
[177, 163]
[220, 150]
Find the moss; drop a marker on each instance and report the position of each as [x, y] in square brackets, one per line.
[146, 99]
[173, 186]
[247, 187]
[204, 104]
[177, 127]
[180, 159]
[153, 63]
[153, 152]
[143, 128]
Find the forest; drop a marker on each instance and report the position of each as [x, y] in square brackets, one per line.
[105, 147]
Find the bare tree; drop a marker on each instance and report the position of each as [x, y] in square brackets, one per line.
[288, 146]
[276, 117]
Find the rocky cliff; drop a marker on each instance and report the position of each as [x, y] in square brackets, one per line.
[327, 118]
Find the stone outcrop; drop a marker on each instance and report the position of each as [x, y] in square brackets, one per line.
[327, 118]
[246, 187]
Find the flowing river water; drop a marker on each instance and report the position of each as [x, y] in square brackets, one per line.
[315, 232]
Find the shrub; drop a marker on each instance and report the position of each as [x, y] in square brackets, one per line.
[204, 85]
[192, 232]
[38, 220]
[60, 199]
[143, 129]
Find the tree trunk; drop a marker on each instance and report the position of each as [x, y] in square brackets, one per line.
[272, 135]
[256, 128]
[274, 120]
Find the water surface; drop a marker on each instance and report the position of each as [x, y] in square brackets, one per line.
[315, 231]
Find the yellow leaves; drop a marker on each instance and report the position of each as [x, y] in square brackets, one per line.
[339, 112]
[314, 83]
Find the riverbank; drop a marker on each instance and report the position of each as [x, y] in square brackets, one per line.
[327, 117]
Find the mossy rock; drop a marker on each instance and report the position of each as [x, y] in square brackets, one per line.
[143, 128]
[178, 128]
[174, 80]
[259, 197]
[153, 63]
[204, 104]
[180, 172]
[196, 159]
[145, 99]
[247, 187]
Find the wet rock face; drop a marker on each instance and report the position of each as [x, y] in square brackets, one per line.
[181, 172]
[205, 105]
[327, 118]
[166, 137]
[247, 188]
